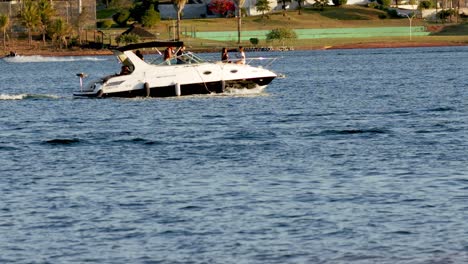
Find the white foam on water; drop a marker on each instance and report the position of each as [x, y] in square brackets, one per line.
[12, 96]
[5, 97]
[39, 58]
[245, 91]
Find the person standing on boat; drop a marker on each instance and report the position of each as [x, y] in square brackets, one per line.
[241, 56]
[180, 52]
[168, 55]
[224, 55]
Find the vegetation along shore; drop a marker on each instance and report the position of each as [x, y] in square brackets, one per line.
[317, 25]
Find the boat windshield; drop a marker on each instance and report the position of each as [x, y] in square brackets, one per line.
[186, 57]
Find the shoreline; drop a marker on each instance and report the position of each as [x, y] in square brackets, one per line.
[22, 51]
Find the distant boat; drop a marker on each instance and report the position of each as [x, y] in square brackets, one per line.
[10, 55]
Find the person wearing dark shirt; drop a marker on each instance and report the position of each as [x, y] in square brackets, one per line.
[224, 55]
[139, 54]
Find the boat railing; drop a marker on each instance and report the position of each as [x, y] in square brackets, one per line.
[260, 61]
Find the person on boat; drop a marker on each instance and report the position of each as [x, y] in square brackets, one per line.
[241, 56]
[125, 70]
[168, 55]
[139, 54]
[225, 55]
[180, 52]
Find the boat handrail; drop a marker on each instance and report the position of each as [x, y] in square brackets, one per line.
[260, 61]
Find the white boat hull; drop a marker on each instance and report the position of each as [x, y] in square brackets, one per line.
[150, 80]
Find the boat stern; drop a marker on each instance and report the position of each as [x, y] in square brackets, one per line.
[92, 89]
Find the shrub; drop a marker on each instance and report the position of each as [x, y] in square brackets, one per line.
[320, 4]
[425, 4]
[373, 5]
[127, 39]
[445, 14]
[254, 41]
[384, 2]
[382, 16]
[281, 34]
[151, 17]
[121, 18]
[393, 13]
[104, 24]
[140, 7]
[339, 2]
[222, 7]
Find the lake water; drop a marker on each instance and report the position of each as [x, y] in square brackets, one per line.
[356, 156]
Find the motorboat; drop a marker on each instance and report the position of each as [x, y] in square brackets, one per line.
[184, 74]
[12, 54]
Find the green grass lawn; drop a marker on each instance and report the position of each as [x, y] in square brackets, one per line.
[350, 17]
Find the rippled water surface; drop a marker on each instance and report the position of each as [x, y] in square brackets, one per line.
[356, 156]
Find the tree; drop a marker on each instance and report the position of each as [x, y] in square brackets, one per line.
[320, 4]
[425, 4]
[281, 34]
[121, 17]
[30, 17]
[140, 7]
[262, 6]
[239, 4]
[151, 17]
[4, 23]
[339, 2]
[179, 6]
[283, 5]
[299, 5]
[46, 11]
[59, 30]
[222, 7]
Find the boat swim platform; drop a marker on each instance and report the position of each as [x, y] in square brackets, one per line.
[319, 33]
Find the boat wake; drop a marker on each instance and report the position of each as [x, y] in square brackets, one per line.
[6, 97]
[39, 58]
[258, 90]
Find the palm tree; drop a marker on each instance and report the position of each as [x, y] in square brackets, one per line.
[30, 17]
[262, 6]
[46, 11]
[239, 4]
[179, 6]
[59, 30]
[4, 21]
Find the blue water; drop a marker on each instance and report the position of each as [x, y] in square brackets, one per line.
[356, 156]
